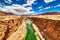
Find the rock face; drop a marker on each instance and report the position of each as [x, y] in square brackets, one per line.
[19, 33]
[49, 28]
[10, 27]
[3, 29]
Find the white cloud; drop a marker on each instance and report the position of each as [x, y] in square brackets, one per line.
[57, 6]
[30, 8]
[18, 9]
[35, 3]
[40, 7]
[32, 12]
[48, 1]
[8, 1]
[47, 7]
[29, 2]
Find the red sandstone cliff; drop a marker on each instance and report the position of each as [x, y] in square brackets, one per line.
[49, 26]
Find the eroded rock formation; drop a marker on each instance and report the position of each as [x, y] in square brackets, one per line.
[49, 28]
[9, 25]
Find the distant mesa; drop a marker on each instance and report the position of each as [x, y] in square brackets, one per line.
[47, 13]
[50, 13]
[4, 13]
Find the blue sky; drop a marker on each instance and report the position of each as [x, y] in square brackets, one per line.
[31, 6]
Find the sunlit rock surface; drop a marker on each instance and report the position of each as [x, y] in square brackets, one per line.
[48, 25]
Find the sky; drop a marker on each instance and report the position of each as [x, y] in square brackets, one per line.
[29, 6]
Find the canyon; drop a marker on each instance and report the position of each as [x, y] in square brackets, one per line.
[48, 25]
